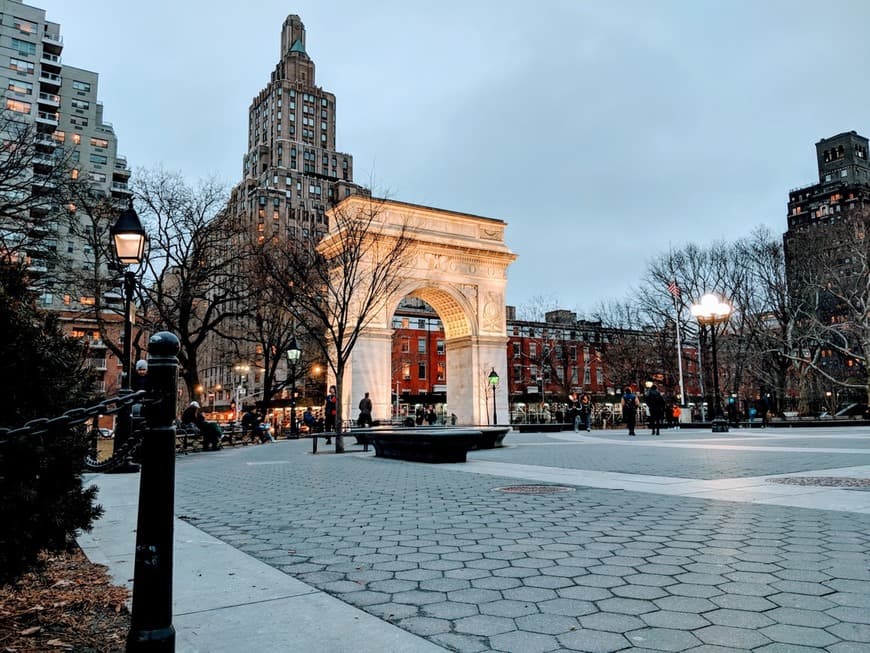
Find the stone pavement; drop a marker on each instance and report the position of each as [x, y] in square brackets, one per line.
[675, 543]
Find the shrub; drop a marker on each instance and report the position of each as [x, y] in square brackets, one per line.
[41, 375]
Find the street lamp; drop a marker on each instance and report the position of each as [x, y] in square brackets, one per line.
[242, 371]
[493, 381]
[711, 311]
[293, 354]
[128, 237]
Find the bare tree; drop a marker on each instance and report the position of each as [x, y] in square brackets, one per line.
[190, 286]
[336, 288]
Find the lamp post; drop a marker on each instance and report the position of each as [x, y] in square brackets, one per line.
[293, 354]
[493, 381]
[710, 311]
[242, 371]
[128, 237]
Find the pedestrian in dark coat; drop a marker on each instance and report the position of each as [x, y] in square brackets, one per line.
[656, 404]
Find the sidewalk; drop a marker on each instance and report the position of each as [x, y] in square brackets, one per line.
[326, 553]
[225, 600]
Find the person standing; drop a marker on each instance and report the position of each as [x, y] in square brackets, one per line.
[586, 411]
[629, 408]
[656, 403]
[574, 411]
[330, 410]
[365, 411]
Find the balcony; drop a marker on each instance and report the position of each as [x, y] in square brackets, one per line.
[43, 181]
[50, 99]
[51, 59]
[42, 163]
[50, 79]
[52, 42]
[121, 188]
[97, 363]
[47, 118]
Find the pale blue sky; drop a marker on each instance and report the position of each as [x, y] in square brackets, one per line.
[601, 132]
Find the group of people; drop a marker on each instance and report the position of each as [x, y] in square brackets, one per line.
[580, 411]
[656, 405]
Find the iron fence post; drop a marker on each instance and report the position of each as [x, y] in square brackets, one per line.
[151, 621]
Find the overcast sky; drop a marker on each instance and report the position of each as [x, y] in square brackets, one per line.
[603, 133]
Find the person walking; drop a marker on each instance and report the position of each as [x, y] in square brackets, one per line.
[656, 403]
[586, 411]
[330, 410]
[249, 426]
[629, 409]
[365, 411]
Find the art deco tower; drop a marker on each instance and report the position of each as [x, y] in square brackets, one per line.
[292, 171]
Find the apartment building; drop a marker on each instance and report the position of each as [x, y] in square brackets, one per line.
[57, 106]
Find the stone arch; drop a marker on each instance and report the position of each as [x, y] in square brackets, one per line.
[459, 267]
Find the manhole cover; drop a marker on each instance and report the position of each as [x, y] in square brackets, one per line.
[534, 489]
[824, 481]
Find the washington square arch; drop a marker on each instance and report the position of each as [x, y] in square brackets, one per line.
[458, 264]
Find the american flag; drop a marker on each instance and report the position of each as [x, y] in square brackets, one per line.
[674, 289]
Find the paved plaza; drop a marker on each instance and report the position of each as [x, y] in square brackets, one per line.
[692, 541]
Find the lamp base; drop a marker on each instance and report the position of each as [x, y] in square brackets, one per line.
[720, 425]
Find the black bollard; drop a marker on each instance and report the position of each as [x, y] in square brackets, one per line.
[151, 620]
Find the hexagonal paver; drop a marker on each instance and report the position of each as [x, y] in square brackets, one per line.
[663, 639]
[738, 618]
[532, 594]
[507, 608]
[448, 610]
[801, 601]
[739, 638]
[474, 595]
[593, 641]
[418, 597]
[611, 622]
[425, 625]
[626, 606]
[484, 625]
[798, 635]
[550, 624]
[523, 641]
[461, 642]
[670, 619]
[567, 607]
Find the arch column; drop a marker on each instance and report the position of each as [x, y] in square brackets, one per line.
[370, 371]
[469, 362]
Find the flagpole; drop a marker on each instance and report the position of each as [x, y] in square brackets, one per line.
[674, 289]
[680, 356]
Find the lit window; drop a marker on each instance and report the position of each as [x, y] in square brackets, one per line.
[22, 88]
[86, 301]
[99, 142]
[18, 106]
[406, 371]
[75, 173]
[77, 138]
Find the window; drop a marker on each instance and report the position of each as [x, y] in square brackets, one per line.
[18, 106]
[20, 65]
[518, 373]
[421, 345]
[97, 176]
[406, 371]
[533, 349]
[98, 142]
[25, 48]
[440, 370]
[406, 345]
[77, 121]
[81, 86]
[516, 348]
[421, 370]
[24, 26]
[100, 159]
[76, 138]
[439, 347]
[75, 173]
[22, 88]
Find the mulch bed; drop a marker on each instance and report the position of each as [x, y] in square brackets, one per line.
[69, 604]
